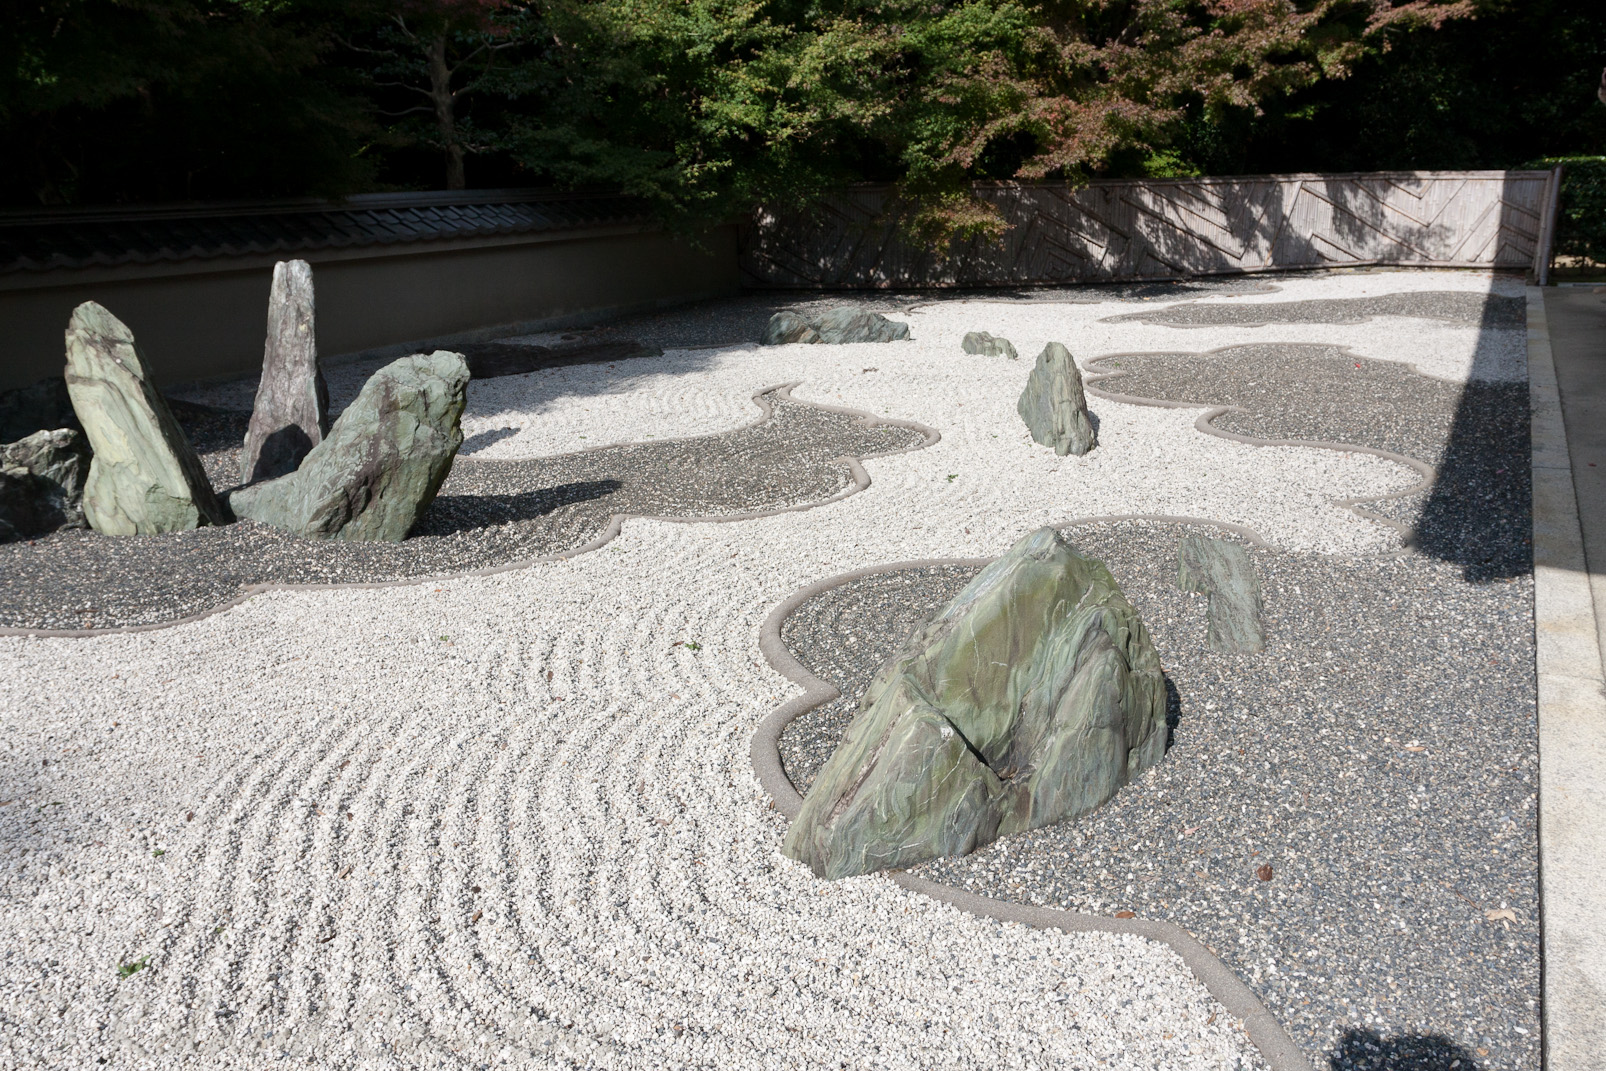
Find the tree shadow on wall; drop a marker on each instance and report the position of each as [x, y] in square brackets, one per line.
[1367, 1050]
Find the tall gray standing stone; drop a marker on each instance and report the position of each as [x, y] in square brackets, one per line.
[144, 477]
[1033, 697]
[1054, 406]
[1224, 572]
[382, 462]
[291, 414]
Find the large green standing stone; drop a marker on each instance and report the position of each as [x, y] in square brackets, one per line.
[382, 462]
[144, 477]
[1054, 406]
[1031, 698]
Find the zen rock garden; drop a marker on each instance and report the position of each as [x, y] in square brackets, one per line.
[614, 698]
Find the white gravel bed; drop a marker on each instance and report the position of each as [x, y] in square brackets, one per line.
[511, 819]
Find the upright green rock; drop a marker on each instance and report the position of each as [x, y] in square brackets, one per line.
[1223, 571]
[1031, 698]
[1054, 406]
[144, 477]
[381, 464]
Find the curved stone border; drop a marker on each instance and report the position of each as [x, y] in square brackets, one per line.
[1205, 424]
[1268, 1035]
[860, 480]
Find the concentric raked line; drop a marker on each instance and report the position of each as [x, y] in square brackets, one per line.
[1428, 473]
[1264, 1031]
[859, 479]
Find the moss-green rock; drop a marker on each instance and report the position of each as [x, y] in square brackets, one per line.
[145, 477]
[1054, 406]
[1031, 698]
[1224, 572]
[988, 345]
[382, 462]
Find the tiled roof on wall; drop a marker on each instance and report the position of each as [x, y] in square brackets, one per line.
[79, 238]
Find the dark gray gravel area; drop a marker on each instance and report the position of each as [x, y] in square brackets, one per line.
[488, 513]
[1379, 757]
[1476, 514]
[1456, 306]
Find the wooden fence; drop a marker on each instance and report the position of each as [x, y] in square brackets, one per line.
[1165, 230]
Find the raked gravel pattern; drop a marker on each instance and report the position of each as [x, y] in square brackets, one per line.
[1380, 757]
[488, 514]
[512, 817]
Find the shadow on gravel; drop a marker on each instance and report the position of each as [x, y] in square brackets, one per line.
[1478, 513]
[468, 513]
[1366, 1050]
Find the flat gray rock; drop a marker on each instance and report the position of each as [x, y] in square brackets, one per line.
[145, 477]
[986, 345]
[1054, 406]
[291, 414]
[1223, 571]
[382, 463]
[837, 326]
[1031, 698]
[44, 478]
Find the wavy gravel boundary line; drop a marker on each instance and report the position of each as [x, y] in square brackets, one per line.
[1205, 423]
[1265, 1032]
[860, 479]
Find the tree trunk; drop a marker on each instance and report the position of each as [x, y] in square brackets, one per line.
[440, 92]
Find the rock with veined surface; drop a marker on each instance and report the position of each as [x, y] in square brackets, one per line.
[1223, 571]
[382, 462]
[839, 326]
[1054, 406]
[290, 416]
[1031, 698]
[985, 344]
[145, 477]
[42, 483]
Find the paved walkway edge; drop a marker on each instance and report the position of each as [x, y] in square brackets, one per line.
[1572, 737]
[1276, 1047]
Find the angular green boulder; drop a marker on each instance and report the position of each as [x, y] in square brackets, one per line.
[1031, 698]
[42, 483]
[1054, 406]
[145, 477]
[1224, 572]
[380, 465]
[987, 345]
[840, 325]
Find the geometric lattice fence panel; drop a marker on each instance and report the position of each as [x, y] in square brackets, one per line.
[1162, 229]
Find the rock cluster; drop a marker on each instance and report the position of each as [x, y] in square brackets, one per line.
[382, 462]
[984, 344]
[144, 477]
[1224, 572]
[290, 416]
[42, 483]
[1054, 406]
[840, 325]
[1031, 698]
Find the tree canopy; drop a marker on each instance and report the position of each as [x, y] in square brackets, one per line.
[708, 107]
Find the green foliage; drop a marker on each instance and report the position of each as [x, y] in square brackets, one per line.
[1581, 218]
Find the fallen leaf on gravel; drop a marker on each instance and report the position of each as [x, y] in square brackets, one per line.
[1123, 914]
[344, 873]
[1264, 873]
[1409, 748]
[1500, 914]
